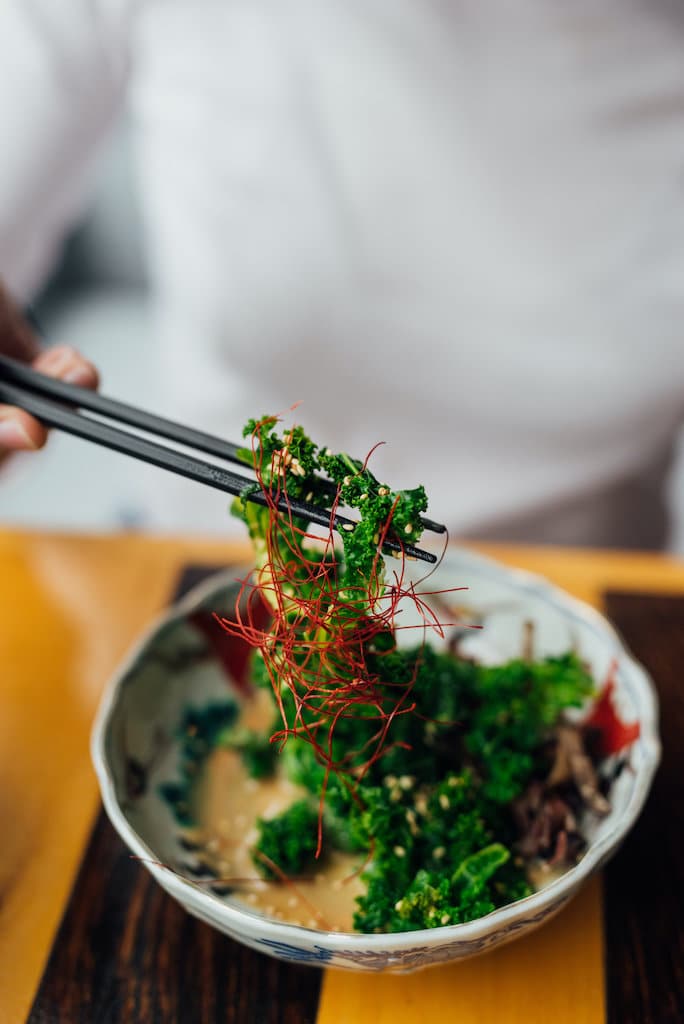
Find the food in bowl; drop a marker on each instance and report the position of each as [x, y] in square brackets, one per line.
[374, 776]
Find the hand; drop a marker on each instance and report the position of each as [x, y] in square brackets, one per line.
[18, 430]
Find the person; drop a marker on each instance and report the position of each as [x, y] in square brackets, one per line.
[18, 430]
[457, 227]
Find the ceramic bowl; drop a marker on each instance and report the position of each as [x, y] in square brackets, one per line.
[175, 666]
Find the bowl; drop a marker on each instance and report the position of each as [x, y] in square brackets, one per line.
[176, 667]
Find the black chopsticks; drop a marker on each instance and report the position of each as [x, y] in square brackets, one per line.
[58, 404]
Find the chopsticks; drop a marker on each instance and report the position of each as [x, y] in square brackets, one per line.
[61, 405]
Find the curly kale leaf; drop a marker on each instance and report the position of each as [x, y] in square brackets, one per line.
[288, 840]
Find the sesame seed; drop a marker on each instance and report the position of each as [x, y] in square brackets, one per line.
[399, 851]
[444, 919]
[438, 852]
[455, 781]
[432, 912]
[421, 804]
[348, 527]
[328, 452]
[406, 781]
[390, 780]
[364, 497]
[398, 905]
[395, 795]
[444, 801]
[376, 538]
[346, 481]
[313, 923]
[383, 491]
[408, 528]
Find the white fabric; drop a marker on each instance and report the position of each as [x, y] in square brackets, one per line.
[454, 225]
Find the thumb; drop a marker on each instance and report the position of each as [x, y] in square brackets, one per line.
[16, 337]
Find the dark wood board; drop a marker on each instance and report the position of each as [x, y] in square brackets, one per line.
[644, 884]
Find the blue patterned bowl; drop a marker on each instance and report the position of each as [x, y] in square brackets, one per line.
[174, 667]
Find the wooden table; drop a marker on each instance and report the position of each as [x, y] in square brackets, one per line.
[70, 606]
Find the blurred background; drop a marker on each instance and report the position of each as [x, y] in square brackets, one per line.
[487, 203]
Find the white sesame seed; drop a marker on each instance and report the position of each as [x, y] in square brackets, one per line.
[399, 851]
[348, 527]
[383, 491]
[398, 905]
[390, 780]
[438, 852]
[444, 801]
[408, 528]
[346, 481]
[328, 452]
[312, 922]
[364, 497]
[406, 781]
[395, 795]
[376, 538]
[444, 919]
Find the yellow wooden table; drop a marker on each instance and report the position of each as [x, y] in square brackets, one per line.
[69, 607]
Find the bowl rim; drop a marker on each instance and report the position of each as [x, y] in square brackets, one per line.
[549, 898]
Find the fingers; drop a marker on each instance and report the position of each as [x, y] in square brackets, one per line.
[68, 365]
[19, 431]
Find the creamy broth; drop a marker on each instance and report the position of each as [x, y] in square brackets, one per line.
[228, 805]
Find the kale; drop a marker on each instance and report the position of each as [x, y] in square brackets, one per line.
[428, 801]
[295, 458]
[288, 840]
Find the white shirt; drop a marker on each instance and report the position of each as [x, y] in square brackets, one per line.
[453, 225]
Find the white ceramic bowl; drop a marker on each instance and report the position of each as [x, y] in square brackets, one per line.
[172, 668]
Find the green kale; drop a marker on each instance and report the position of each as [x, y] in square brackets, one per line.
[289, 840]
[428, 801]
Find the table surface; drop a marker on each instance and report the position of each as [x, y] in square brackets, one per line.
[70, 606]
